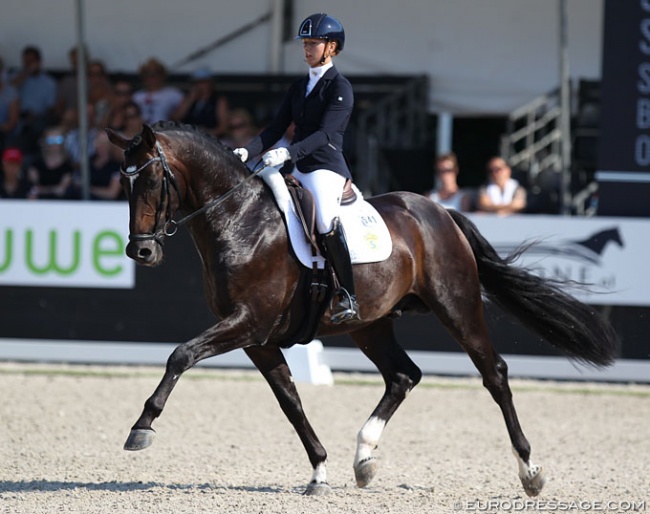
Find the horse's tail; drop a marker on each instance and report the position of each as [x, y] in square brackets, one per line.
[568, 324]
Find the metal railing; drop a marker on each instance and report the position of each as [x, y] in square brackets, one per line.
[395, 122]
[533, 142]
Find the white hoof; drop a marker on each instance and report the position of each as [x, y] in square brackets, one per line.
[365, 471]
[533, 481]
[317, 489]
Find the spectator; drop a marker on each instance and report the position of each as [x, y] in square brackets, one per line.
[9, 111]
[241, 128]
[132, 126]
[37, 91]
[104, 170]
[73, 135]
[156, 99]
[67, 92]
[447, 192]
[203, 106]
[503, 194]
[100, 92]
[13, 180]
[122, 93]
[52, 172]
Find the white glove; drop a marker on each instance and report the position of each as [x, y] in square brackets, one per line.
[242, 153]
[276, 157]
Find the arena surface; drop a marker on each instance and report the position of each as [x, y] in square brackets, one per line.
[224, 446]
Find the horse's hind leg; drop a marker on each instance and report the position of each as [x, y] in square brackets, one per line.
[473, 337]
[273, 366]
[400, 375]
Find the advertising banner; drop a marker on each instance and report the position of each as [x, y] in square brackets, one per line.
[65, 244]
[610, 254]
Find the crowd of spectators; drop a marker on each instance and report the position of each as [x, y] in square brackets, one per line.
[40, 138]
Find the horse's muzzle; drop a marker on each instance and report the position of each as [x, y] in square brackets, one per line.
[148, 252]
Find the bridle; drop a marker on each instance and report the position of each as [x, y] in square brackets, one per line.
[170, 226]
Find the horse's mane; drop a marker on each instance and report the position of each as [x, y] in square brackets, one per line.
[204, 144]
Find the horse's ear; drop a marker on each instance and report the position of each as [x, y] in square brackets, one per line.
[148, 136]
[117, 139]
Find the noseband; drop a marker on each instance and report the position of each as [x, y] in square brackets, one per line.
[170, 227]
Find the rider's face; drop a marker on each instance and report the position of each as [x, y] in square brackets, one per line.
[314, 50]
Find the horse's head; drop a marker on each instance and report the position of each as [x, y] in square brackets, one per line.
[152, 191]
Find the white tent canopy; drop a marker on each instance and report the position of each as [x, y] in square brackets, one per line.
[482, 58]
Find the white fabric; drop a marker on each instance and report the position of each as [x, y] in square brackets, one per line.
[504, 197]
[158, 105]
[276, 157]
[327, 188]
[453, 202]
[315, 74]
[242, 153]
[367, 236]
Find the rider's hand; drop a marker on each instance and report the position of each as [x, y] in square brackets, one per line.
[242, 153]
[276, 157]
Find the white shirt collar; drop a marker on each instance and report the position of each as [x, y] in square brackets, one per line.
[315, 74]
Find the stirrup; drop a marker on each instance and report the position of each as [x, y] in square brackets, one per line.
[347, 309]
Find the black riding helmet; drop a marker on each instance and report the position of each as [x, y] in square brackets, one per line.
[322, 26]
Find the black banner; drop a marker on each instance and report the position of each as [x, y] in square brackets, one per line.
[625, 94]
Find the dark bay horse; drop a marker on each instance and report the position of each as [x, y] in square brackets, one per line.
[440, 263]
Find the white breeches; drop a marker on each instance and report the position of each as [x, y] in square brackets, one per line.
[327, 188]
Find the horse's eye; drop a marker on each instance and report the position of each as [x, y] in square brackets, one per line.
[153, 182]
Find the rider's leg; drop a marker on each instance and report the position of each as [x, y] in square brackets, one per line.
[327, 188]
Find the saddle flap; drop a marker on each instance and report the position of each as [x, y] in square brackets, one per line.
[305, 208]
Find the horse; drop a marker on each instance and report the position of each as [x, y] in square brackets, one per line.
[439, 263]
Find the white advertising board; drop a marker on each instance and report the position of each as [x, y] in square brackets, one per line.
[64, 244]
[611, 254]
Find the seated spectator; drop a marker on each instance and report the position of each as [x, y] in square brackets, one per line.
[122, 93]
[104, 170]
[241, 130]
[9, 111]
[100, 92]
[37, 91]
[13, 180]
[132, 126]
[52, 171]
[67, 92]
[156, 99]
[503, 194]
[73, 134]
[203, 107]
[447, 192]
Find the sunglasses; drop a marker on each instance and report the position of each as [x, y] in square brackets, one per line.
[54, 140]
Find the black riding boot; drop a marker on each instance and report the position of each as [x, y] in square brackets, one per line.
[343, 306]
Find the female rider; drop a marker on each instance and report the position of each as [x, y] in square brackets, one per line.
[320, 106]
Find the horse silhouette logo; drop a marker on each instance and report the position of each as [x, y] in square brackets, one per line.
[590, 249]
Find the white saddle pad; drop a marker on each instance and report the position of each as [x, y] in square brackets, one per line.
[365, 230]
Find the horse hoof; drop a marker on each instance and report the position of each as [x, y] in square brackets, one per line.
[139, 439]
[317, 489]
[365, 471]
[534, 483]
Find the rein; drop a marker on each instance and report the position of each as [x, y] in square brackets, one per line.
[170, 226]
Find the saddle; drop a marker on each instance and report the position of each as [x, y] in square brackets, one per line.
[315, 283]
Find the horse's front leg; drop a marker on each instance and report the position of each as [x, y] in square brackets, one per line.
[229, 334]
[273, 366]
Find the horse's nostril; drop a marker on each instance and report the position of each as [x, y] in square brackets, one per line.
[144, 253]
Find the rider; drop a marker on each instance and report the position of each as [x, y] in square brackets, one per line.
[320, 106]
